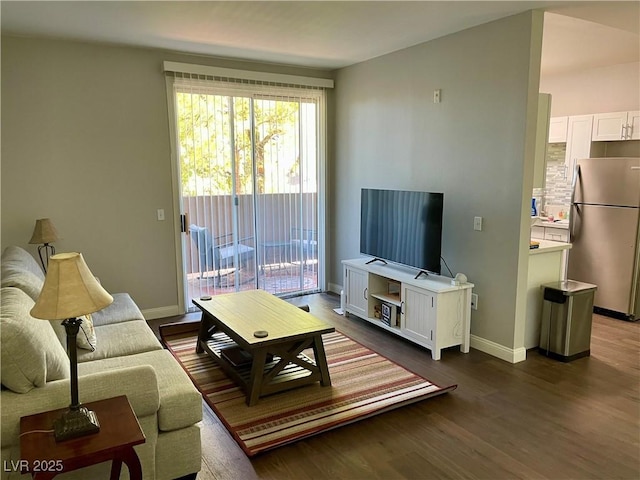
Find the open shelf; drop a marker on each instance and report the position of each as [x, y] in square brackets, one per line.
[393, 298]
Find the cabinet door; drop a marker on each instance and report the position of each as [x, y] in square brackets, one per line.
[609, 126]
[356, 282]
[558, 129]
[633, 125]
[578, 141]
[537, 232]
[556, 234]
[418, 320]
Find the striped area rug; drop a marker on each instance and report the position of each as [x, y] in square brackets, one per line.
[363, 384]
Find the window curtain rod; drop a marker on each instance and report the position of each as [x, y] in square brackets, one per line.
[188, 68]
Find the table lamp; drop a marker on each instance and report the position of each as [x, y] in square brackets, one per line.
[70, 290]
[45, 233]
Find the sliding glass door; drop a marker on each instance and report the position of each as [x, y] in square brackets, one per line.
[248, 168]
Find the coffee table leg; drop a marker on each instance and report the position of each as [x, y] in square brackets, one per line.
[257, 373]
[203, 334]
[321, 361]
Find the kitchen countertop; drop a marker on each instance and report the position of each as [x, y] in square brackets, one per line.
[548, 246]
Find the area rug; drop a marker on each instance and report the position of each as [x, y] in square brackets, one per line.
[363, 384]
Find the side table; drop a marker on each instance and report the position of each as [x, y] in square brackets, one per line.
[120, 431]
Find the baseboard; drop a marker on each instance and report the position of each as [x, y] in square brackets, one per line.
[161, 312]
[500, 351]
[335, 288]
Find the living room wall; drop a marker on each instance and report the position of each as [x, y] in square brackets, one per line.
[85, 142]
[474, 146]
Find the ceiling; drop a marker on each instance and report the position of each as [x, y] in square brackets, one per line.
[326, 34]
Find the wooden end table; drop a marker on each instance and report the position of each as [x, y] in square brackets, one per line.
[120, 431]
[232, 320]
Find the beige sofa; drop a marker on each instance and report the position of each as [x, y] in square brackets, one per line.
[127, 360]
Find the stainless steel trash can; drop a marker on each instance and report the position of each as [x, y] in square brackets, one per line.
[567, 309]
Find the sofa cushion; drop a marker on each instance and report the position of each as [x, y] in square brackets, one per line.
[22, 259]
[180, 401]
[122, 339]
[31, 355]
[122, 309]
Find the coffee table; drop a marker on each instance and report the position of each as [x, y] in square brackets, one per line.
[276, 361]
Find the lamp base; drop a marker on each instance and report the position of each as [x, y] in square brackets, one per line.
[75, 423]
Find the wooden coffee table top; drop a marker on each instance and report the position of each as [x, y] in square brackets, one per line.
[249, 311]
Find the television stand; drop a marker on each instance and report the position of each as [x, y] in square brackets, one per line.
[427, 311]
[376, 260]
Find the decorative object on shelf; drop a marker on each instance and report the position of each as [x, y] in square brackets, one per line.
[44, 233]
[70, 290]
[534, 208]
[459, 279]
[389, 315]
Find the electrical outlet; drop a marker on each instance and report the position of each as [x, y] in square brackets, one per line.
[474, 301]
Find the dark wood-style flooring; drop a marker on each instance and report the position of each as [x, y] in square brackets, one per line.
[536, 419]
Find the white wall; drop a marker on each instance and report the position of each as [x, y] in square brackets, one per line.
[85, 142]
[614, 88]
[472, 146]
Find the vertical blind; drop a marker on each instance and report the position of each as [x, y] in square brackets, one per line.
[250, 156]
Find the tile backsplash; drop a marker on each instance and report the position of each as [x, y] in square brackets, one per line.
[557, 191]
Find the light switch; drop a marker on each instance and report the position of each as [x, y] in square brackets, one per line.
[161, 214]
[477, 223]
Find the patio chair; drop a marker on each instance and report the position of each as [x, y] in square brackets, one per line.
[305, 241]
[216, 254]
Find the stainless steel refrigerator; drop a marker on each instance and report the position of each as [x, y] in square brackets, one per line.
[604, 230]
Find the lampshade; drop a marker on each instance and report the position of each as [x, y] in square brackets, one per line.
[44, 232]
[70, 290]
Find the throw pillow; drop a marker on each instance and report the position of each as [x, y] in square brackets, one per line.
[87, 335]
[86, 338]
[30, 352]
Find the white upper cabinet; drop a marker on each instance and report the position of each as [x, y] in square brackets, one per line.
[558, 129]
[616, 126]
[579, 129]
[633, 125]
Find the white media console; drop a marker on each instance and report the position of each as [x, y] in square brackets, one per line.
[427, 310]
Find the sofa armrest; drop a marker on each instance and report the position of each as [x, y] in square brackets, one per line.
[139, 384]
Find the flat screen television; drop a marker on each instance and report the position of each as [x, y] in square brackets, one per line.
[402, 227]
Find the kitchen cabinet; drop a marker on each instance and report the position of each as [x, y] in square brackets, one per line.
[433, 313]
[558, 129]
[556, 233]
[542, 134]
[537, 233]
[616, 126]
[579, 129]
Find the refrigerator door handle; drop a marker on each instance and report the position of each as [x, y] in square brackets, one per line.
[574, 212]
